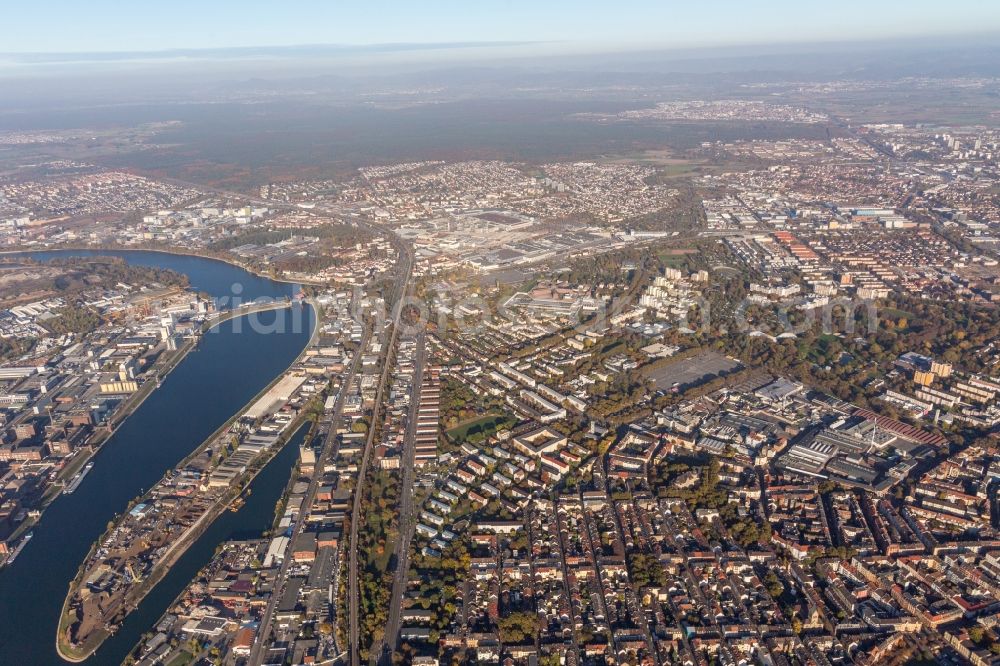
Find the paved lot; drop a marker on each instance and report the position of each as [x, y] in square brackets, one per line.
[692, 371]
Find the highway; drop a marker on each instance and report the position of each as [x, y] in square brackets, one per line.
[383, 650]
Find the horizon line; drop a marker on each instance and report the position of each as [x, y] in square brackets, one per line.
[42, 57]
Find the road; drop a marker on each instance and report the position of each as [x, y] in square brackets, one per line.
[403, 278]
[407, 520]
[400, 290]
[329, 447]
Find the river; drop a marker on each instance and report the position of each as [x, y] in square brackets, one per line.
[231, 364]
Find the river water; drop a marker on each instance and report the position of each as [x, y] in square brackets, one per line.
[231, 364]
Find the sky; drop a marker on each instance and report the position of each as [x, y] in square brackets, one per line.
[72, 26]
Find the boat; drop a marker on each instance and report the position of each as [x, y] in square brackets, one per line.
[77, 479]
[20, 546]
[238, 503]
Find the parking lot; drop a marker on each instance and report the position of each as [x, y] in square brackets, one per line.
[693, 371]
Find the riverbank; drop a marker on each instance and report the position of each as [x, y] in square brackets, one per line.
[179, 252]
[229, 367]
[132, 598]
[261, 540]
[92, 448]
[99, 437]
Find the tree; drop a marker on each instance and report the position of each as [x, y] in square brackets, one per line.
[774, 585]
[74, 319]
[518, 626]
[646, 571]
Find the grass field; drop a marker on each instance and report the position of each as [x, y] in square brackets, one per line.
[182, 659]
[893, 313]
[486, 424]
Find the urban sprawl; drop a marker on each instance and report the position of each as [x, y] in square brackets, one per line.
[588, 412]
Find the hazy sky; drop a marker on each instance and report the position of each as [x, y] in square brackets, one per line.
[113, 25]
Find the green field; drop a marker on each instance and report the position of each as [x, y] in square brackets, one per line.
[182, 659]
[893, 313]
[487, 425]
